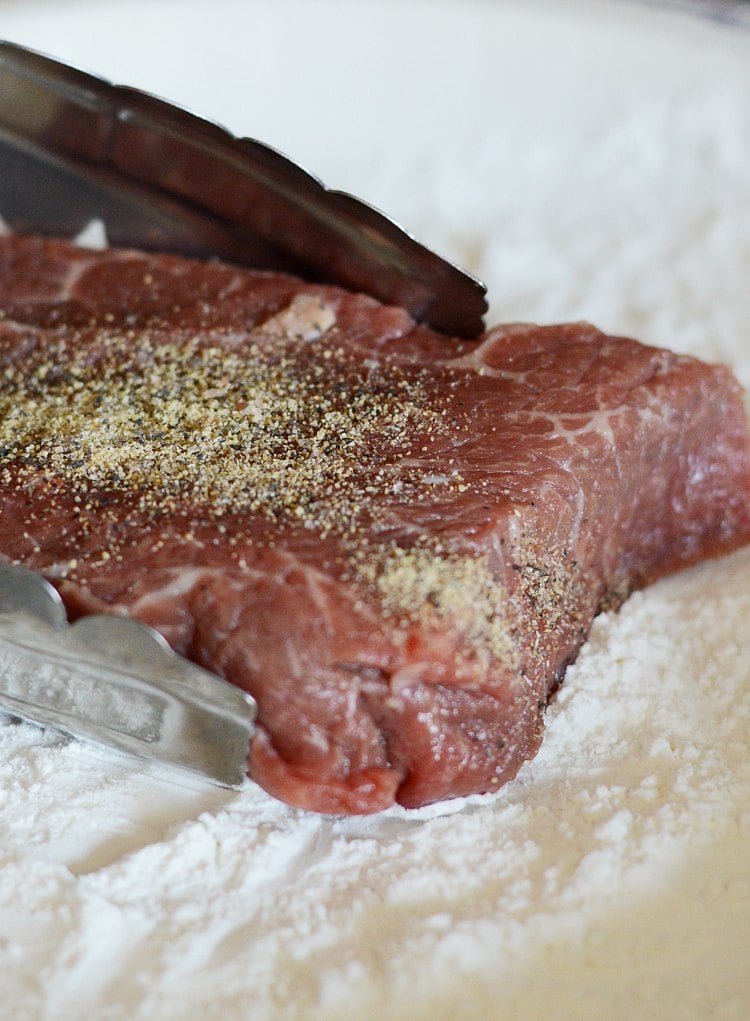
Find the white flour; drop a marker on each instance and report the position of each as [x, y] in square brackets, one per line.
[585, 165]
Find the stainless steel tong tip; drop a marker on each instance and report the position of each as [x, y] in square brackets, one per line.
[116, 682]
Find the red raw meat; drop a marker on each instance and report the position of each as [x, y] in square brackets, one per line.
[396, 541]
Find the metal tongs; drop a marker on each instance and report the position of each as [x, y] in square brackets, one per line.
[116, 682]
[73, 148]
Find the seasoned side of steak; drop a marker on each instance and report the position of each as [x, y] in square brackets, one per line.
[394, 540]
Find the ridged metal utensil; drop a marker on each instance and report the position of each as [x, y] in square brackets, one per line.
[75, 147]
[116, 682]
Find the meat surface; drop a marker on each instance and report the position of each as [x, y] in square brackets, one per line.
[395, 541]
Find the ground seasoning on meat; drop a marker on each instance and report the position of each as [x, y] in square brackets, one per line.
[273, 432]
[278, 431]
[437, 588]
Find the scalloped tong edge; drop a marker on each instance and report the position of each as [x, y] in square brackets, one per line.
[74, 147]
[116, 682]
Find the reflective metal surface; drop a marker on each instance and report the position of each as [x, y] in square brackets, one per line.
[73, 147]
[116, 682]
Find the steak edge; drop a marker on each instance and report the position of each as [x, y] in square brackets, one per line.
[394, 540]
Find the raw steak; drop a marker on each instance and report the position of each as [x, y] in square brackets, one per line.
[394, 540]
